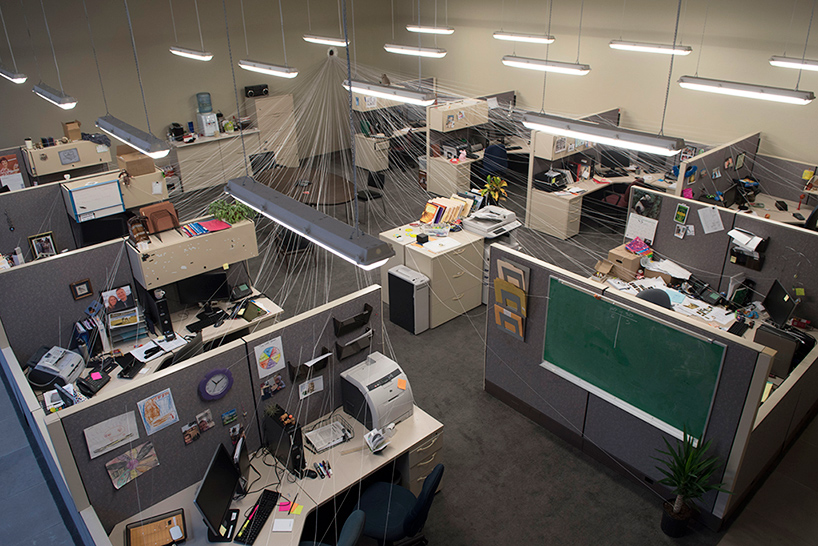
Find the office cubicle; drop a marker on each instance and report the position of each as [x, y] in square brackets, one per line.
[719, 166]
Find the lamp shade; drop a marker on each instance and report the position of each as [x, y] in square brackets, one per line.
[341, 239]
[645, 47]
[429, 30]
[519, 37]
[130, 135]
[792, 62]
[325, 40]
[12, 76]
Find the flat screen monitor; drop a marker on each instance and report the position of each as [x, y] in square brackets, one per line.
[215, 493]
[285, 442]
[779, 304]
[203, 288]
[614, 159]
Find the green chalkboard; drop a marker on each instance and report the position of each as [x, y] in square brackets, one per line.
[659, 373]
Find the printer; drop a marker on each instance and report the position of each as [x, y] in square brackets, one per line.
[55, 365]
[491, 221]
[376, 392]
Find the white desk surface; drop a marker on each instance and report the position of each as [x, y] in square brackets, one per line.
[216, 138]
[525, 149]
[785, 217]
[405, 235]
[348, 468]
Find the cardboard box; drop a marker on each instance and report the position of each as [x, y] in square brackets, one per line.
[664, 276]
[72, 130]
[135, 163]
[625, 263]
[602, 269]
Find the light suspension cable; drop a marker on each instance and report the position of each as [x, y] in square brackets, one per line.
[54, 96]
[270, 69]
[15, 76]
[195, 54]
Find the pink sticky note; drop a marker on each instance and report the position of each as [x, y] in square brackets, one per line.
[284, 507]
[96, 376]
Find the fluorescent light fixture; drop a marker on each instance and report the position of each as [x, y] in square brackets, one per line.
[433, 52]
[429, 30]
[343, 240]
[792, 62]
[136, 138]
[54, 96]
[389, 92]
[12, 76]
[325, 40]
[270, 69]
[611, 136]
[191, 53]
[750, 91]
[574, 69]
[528, 38]
[644, 47]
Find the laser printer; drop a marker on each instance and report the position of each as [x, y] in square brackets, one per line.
[491, 221]
[55, 365]
[376, 392]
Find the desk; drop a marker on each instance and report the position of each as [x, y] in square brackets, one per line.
[558, 213]
[419, 434]
[210, 161]
[446, 178]
[785, 217]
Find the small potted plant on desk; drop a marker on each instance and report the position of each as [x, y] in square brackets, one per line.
[687, 470]
[230, 212]
[495, 190]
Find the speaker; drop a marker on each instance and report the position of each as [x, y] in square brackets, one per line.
[256, 90]
[165, 323]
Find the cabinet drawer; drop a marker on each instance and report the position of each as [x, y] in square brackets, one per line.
[443, 309]
[416, 481]
[421, 453]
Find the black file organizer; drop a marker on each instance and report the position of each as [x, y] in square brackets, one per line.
[355, 346]
[346, 326]
[300, 372]
[752, 260]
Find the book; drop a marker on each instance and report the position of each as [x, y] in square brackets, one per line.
[429, 213]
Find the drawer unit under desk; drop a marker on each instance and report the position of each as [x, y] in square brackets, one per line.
[554, 214]
[420, 461]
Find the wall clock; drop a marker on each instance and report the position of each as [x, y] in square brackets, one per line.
[215, 384]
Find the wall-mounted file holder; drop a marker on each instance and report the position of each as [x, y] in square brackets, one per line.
[347, 326]
[355, 346]
[302, 372]
[746, 258]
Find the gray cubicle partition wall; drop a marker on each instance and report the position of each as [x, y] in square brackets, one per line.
[614, 436]
[790, 257]
[31, 211]
[702, 254]
[783, 178]
[36, 304]
[303, 338]
[180, 465]
[714, 158]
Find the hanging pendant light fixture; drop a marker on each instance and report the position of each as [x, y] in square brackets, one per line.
[195, 54]
[390, 92]
[431, 52]
[793, 62]
[325, 40]
[46, 92]
[527, 38]
[645, 47]
[281, 71]
[13, 76]
[432, 29]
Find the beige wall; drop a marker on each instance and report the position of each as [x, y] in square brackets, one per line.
[740, 37]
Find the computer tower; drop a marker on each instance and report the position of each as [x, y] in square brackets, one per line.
[409, 299]
[158, 312]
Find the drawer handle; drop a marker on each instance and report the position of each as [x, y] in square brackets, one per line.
[458, 296]
[427, 446]
[429, 460]
[458, 275]
[461, 251]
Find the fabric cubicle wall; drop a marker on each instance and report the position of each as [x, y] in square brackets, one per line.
[513, 374]
[32, 211]
[715, 158]
[783, 177]
[36, 304]
[181, 465]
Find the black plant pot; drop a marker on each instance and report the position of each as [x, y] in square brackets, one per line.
[675, 525]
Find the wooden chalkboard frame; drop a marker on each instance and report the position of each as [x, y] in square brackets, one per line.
[625, 400]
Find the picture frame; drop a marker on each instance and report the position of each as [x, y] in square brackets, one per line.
[42, 245]
[739, 161]
[81, 289]
[119, 298]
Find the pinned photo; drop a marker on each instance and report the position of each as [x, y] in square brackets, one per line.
[205, 420]
[190, 432]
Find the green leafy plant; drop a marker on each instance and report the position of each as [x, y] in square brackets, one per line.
[495, 188]
[688, 470]
[230, 212]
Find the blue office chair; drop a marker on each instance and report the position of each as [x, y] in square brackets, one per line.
[350, 532]
[393, 513]
[495, 161]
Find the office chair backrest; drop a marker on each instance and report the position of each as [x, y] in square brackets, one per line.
[657, 296]
[190, 349]
[416, 517]
[495, 159]
[812, 220]
[352, 529]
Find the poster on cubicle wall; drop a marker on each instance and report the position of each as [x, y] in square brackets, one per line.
[10, 176]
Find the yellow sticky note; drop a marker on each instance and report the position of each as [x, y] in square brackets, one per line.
[402, 384]
[799, 292]
[226, 266]
[807, 175]
[297, 509]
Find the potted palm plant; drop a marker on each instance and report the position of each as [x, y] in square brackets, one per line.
[688, 471]
[495, 190]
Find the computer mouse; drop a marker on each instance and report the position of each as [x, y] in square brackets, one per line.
[311, 474]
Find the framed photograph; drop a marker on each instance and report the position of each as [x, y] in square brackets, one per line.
[728, 163]
[715, 173]
[81, 289]
[118, 299]
[42, 245]
[739, 161]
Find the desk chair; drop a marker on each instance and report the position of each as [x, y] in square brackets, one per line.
[657, 296]
[393, 513]
[812, 220]
[190, 349]
[350, 532]
[289, 245]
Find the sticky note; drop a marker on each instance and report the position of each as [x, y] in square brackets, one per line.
[297, 509]
[284, 507]
[283, 525]
[226, 266]
[96, 376]
[800, 292]
[402, 384]
[806, 175]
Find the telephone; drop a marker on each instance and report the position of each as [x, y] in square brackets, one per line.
[57, 365]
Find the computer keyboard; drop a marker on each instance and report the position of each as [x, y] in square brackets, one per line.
[253, 523]
[738, 328]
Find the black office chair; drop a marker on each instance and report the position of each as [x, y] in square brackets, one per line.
[393, 513]
[190, 349]
[350, 532]
[657, 296]
[812, 220]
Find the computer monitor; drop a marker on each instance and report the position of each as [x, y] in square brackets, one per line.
[614, 159]
[215, 493]
[284, 442]
[779, 304]
[203, 288]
